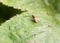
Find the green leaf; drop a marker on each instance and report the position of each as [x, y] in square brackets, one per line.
[53, 3]
[31, 5]
[22, 28]
[58, 6]
[26, 4]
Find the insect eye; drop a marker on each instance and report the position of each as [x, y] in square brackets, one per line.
[33, 16]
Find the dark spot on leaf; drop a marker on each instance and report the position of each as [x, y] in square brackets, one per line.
[6, 12]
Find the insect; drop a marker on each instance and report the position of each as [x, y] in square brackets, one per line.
[35, 18]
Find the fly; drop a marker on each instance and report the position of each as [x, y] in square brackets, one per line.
[35, 18]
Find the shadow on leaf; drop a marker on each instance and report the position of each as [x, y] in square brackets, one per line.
[7, 12]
